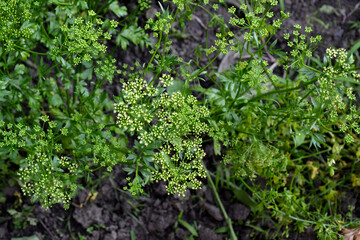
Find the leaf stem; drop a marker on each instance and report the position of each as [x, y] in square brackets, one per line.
[228, 220]
[61, 3]
[37, 53]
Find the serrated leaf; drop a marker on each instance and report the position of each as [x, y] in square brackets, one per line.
[146, 174]
[119, 11]
[87, 74]
[12, 212]
[82, 4]
[129, 170]
[132, 34]
[131, 156]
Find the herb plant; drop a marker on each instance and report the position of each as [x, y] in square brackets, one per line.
[283, 122]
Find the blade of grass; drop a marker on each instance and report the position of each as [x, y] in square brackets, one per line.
[191, 229]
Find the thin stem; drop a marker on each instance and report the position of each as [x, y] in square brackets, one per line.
[37, 53]
[153, 56]
[228, 220]
[104, 6]
[311, 155]
[61, 3]
[313, 69]
[328, 129]
[282, 90]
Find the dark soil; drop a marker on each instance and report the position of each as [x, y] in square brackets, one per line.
[115, 214]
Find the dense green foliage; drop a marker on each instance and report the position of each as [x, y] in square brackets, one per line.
[276, 133]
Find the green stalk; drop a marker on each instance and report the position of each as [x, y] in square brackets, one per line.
[24, 49]
[227, 219]
[104, 6]
[153, 56]
[282, 90]
[61, 3]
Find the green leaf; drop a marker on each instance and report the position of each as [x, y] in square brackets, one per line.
[119, 11]
[87, 74]
[188, 227]
[244, 197]
[307, 72]
[131, 156]
[349, 80]
[133, 34]
[24, 55]
[129, 170]
[3, 94]
[132, 234]
[55, 100]
[19, 69]
[12, 212]
[224, 229]
[354, 48]
[299, 138]
[121, 40]
[82, 4]
[146, 174]
[273, 44]
[217, 147]
[328, 9]
[197, 73]
[177, 86]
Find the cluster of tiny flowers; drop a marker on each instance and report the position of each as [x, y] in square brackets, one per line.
[166, 80]
[106, 69]
[42, 179]
[82, 38]
[144, 4]
[135, 187]
[218, 132]
[255, 21]
[256, 160]
[333, 93]
[162, 24]
[184, 3]
[177, 121]
[301, 46]
[132, 113]
[272, 2]
[11, 138]
[13, 14]
[255, 76]
[180, 174]
[43, 175]
[102, 153]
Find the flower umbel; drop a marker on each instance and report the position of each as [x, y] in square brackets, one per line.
[176, 121]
